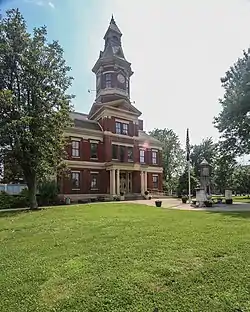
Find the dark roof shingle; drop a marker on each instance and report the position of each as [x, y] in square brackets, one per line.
[87, 124]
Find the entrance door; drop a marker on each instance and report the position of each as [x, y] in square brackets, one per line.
[126, 182]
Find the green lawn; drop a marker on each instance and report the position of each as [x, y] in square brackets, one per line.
[121, 257]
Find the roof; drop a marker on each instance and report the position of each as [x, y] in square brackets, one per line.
[204, 162]
[113, 27]
[87, 124]
[143, 136]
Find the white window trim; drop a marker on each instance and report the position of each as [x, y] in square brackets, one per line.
[122, 121]
[75, 139]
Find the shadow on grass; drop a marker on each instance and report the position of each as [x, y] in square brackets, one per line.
[234, 214]
[13, 213]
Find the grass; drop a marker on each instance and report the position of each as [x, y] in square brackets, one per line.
[121, 257]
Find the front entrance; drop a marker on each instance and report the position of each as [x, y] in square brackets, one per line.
[126, 182]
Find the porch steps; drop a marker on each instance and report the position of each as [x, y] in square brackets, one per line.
[133, 196]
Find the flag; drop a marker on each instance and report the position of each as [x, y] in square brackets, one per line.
[188, 146]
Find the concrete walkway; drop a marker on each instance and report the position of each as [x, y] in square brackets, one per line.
[170, 203]
[173, 203]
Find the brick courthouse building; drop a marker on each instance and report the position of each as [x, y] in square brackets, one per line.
[109, 151]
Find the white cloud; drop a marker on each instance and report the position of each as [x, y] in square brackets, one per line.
[41, 3]
[51, 5]
[37, 2]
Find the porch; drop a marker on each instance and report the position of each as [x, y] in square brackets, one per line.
[128, 182]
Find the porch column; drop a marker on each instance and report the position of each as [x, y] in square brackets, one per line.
[112, 182]
[142, 183]
[118, 181]
[146, 181]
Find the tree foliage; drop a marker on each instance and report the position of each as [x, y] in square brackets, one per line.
[205, 150]
[233, 122]
[34, 105]
[173, 157]
[241, 179]
[182, 187]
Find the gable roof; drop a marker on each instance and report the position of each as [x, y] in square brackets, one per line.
[122, 104]
[146, 138]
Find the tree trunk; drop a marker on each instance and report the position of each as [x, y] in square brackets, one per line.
[32, 188]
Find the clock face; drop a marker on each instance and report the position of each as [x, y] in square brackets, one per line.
[121, 78]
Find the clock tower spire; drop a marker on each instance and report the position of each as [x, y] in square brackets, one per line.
[112, 70]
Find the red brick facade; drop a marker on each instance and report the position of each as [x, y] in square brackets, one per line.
[109, 153]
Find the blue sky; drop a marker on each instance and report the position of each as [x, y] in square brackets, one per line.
[178, 49]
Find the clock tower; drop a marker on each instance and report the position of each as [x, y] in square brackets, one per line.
[112, 70]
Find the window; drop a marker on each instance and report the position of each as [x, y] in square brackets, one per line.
[121, 128]
[127, 84]
[130, 154]
[122, 153]
[154, 157]
[142, 156]
[93, 150]
[94, 185]
[75, 179]
[75, 148]
[155, 181]
[118, 127]
[114, 151]
[125, 129]
[108, 80]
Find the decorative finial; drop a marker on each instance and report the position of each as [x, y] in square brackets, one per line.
[112, 19]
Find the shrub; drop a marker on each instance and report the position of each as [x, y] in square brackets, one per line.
[48, 193]
[6, 200]
[146, 193]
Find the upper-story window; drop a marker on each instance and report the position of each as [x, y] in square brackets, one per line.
[125, 129]
[130, 154]
[154, 157]
[118, 127]
[75, 152]
[108, 80]
[114, 151]
[93, 150]
[121, 128]
[142, 156]
[75, 180]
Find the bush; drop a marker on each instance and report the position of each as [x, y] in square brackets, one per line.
[48, 193]
[6, 201]
[14, 201]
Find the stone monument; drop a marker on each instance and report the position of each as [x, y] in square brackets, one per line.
[203, 192]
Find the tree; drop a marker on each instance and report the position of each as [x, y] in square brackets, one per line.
[224, 166]
[182, 187]
[205, 150]
[34, 105]
[233, 122]
[241, 179]
[173, 157]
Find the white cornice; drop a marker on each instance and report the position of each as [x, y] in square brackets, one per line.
[83, 135]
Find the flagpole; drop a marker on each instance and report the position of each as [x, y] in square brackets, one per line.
[189, 183]
[188, 163]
